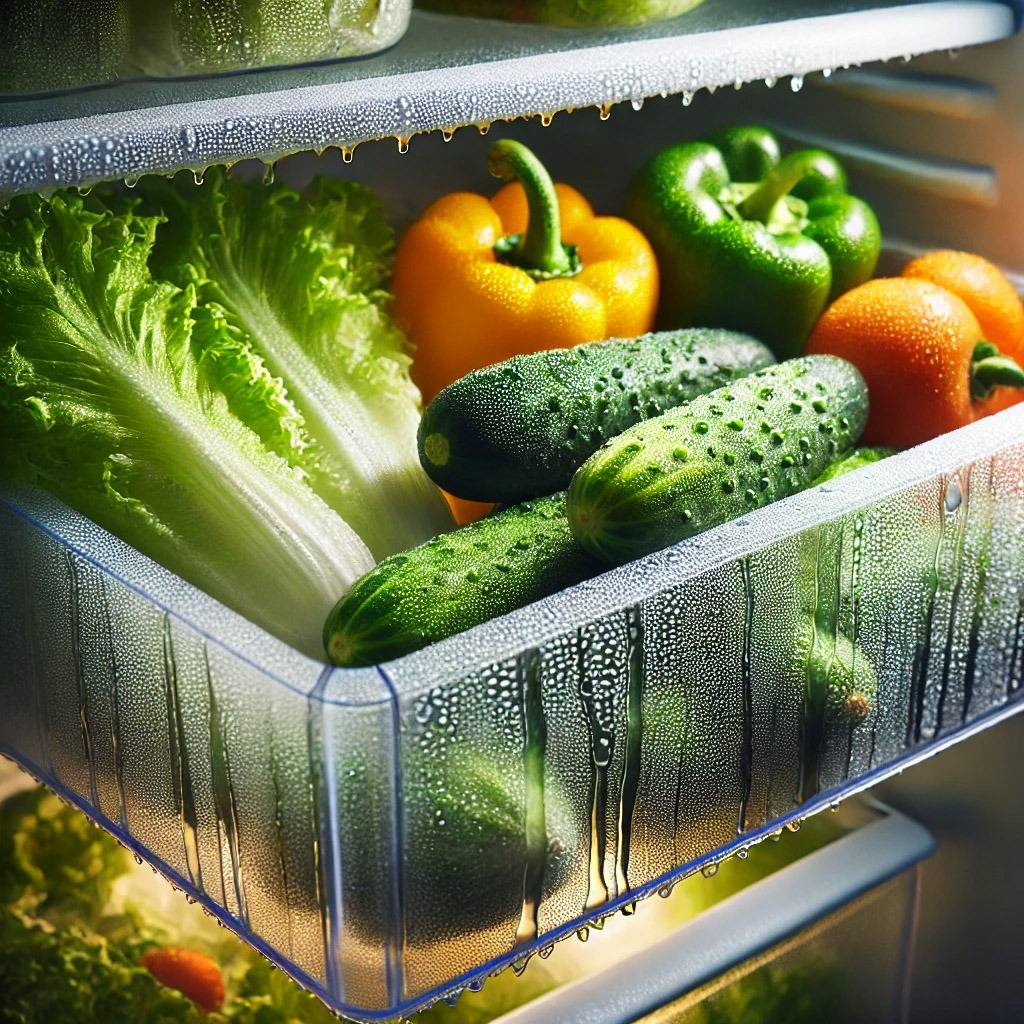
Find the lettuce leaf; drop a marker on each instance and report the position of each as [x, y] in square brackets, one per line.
[109, 399]
[298, 281]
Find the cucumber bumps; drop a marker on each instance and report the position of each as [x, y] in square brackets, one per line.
[717, 457]
[521, 428]
[458, 580]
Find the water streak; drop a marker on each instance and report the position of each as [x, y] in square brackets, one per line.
[181, 776]
[80, 683]
[634, 735]
[534, 749]
[115, 712]
[747, 750]
[963, 505]
[224, 791]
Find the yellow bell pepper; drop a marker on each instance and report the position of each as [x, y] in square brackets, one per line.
[477, 281]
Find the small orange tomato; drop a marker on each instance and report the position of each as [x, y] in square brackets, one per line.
[193, 974]
[914, 344]
[990, 297]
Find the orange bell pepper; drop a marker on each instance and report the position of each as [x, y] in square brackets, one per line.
[477, 281]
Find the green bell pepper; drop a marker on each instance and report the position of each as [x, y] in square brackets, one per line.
[750, 240]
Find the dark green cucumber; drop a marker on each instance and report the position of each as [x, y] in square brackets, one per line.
[521, 428]
[719, 456]
[456, 581]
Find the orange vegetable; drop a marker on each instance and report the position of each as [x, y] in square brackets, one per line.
[923, 354]
[193, 974]
[991, 298]
[477, 281]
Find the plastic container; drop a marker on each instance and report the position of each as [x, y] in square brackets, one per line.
[577, 13]
[829, 936]
[56, 45]
[390, 834]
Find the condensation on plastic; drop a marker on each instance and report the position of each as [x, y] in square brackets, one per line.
[389, 835]
[450, 72]
[102, 41]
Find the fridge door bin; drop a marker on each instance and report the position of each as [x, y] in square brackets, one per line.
[390, 834]
[829, 937]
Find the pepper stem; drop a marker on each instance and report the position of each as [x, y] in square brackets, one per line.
[991, 369]
[539, 249]
[776, 183]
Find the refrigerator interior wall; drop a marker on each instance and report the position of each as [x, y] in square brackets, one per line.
[330, 816]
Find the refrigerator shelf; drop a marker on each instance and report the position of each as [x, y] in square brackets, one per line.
[449, 72]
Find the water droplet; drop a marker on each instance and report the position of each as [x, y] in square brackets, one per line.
[637, 102]
[546, 952]
[347, 153]
[742, 854]
[138, 859]
[546, 119]
[680, 454]
[268, 175]
[826, 72]
[197, 177]
[735, 424]
[583, 934]
[793, 826]
[131, 182]
[700, 427]
[451, 998]
[604, 112]
[953, 497]
[796, 83]
[403, 143]
[770, 82]
[687, 98]
[709, 870]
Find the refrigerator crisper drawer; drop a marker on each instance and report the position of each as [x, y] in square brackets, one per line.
[828, 937]
[389, 835]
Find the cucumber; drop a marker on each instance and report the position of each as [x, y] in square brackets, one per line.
[521, 428]
[458, 580]
[856, 459]
[719, 456]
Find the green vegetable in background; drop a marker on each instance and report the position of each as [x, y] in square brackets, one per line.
[567, 12]
[76, 915]
[184, 37]
[292, 290]
[522, 427]
[725, 453]
[113, 397]
[856, 459]
[750, 240]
